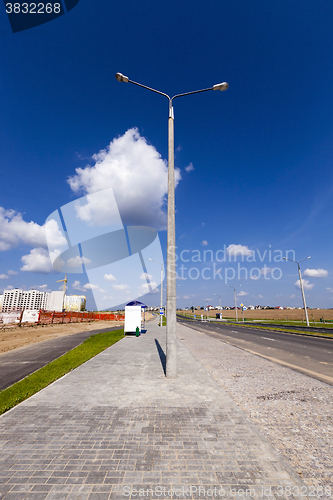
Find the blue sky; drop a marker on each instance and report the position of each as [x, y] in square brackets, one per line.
[255, 161]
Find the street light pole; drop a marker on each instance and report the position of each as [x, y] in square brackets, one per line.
[219, 302]
[301, 283]
[219, 299]
[171, 337]
[235, 301]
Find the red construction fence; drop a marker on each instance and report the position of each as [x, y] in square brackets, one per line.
[49, 317]
[53, 317]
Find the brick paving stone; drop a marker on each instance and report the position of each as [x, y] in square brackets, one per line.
[116, 422]
[292, 410]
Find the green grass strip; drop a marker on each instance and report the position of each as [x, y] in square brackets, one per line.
[43, 377]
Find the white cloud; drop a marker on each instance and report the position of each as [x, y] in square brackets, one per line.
[138, 176]
[91, 286]
[260, 296]
[15, 231]
[239, 250]
[186, 297]
[76, 261]
[148, 288]
[77, 286]
[292, 296]
[204, 243]
[189, 167]
[42, 288]
[3, 277]
[107, 297]
[146, 276]
[120, 287]
[306, 284]
[242, 293]
[329, 289]
[55, 238]
[109, 277]
[11, 273]
[37, 261]
[265, 271]
[316, 273]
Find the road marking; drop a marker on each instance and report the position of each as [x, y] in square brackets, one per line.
[233, 331]
[266, 338]
[18, 363]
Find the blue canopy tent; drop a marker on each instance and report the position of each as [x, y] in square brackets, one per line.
[136, 303]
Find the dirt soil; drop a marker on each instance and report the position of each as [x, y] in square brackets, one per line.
[274, 314]
[14, 337]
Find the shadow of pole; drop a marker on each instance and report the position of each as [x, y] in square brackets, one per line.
[161, 355]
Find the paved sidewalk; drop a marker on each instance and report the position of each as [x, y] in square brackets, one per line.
[116, 424]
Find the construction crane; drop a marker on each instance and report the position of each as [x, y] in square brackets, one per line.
[65, 283]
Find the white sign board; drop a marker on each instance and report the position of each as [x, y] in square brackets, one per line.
[6, 318]
[132, 319]
[30, 316]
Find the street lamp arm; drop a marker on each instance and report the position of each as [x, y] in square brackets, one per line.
[291, 260]
[143, 86]
[189, 93]
[122, 78]
[149, 88]
[219, 86]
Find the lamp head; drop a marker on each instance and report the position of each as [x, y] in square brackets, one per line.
[221, 86]
[122, 78]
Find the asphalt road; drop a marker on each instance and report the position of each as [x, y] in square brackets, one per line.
[312, 356]
[17, 364]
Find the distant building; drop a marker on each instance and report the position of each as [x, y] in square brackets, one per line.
[32, 299]
[75, 303]
[11, 300]
[54, 301]
[17, 300]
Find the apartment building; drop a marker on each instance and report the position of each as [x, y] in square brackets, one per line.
[17, 300]
[75, 303]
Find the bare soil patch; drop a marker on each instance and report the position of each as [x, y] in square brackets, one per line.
[274, 314]
[14, 337]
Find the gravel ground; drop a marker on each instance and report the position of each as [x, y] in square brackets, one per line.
[292, 410]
